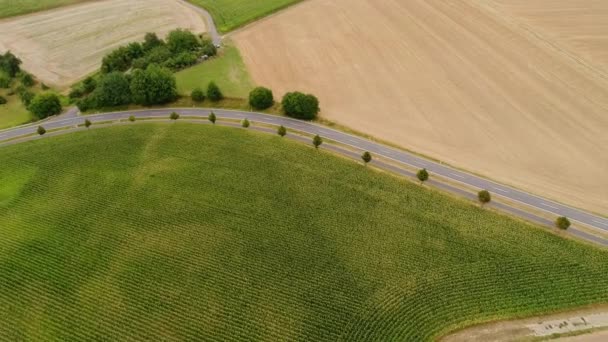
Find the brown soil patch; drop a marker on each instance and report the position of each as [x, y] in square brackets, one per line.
[515, 93]
[63, 45]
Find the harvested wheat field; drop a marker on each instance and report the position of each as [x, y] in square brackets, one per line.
[477, 84]
[63, 45]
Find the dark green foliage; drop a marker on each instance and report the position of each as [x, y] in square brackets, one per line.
[44, 86]
[26, 97]
[282, 131]
[5, 80]
[44, 105]
[86, 103]
[366, 157]
[422, 175]
[484, 196]
[174, 116]
[207, 47]
[87, 123]
[182, 60]
[213, 92]
[132, 118]
[2, 100]
[113, 89]
[300, 106]
[212, 117]
[151, 41]
[88, 85]
[317, 141]
[76, 93]
[245, 123]
[261, 98]
[41, 130]
[135, 50]
[153, 86]
[10, 64]
[117, 60]
[197, 95]
[158, 55]
[562, 223]
[182, 41]
[26, 79]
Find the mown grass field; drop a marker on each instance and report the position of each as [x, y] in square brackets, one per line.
[231, 14]
[10, 8]
[193, 232]
[227, 70]
[13, 112]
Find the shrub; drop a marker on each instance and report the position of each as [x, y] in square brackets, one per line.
[44, 105]
[208, 48]
[182, 60]
[117, 60]
[26, 97]
[213, 92]
[245, 123]
[197, 95]
[87, 123]
[300, 106]
[212, 117]
[317, 141]
[282, 131]
[151, 41]
[2, 100]
[174, 116]
[5, 80]
[261, 98]
[562, 223]
[76, 93]
[484, 197]
[132, 118]
[26, 79]
[10, 64]
[113, 89]
[41, 130]
[88, 85]
[182, 41]
[422, 175]
[155, 85]
[86, 103]
[44, 86]
[367, 157]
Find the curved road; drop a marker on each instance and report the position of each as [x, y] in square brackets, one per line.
[377, 149]
[211, 28]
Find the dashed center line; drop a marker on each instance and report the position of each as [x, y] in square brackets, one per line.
[457, 175]
[548, 205]
[500, 190]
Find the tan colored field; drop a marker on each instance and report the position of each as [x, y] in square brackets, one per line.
[63, 45]
[470, 82]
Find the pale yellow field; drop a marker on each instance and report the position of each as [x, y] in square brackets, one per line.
[473, 83]
[60, 46]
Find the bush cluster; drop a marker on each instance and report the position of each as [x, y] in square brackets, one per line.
[300, 106]
[10, 64]
[44, 105]
[261, 98]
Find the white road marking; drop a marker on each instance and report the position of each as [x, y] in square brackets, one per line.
[548, 205]
[500, 190]
[600, 222]
[457, 175]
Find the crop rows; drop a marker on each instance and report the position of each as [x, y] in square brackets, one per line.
[180, 232]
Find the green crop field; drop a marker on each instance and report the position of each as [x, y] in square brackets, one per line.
[155, 231]
[227, 70]
[231, 14]
[9, 8]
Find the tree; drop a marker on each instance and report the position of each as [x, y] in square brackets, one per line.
[300, 106]
[151, 41]
[174, 116]
[132, 118]
[41, 130]
[317, 141]
[88, 85]
[10, 64]
[44, 105]
[152, 86]
[484, 197]
[87, 123]
[213, 92]
[367, 157]
[117, 60]
[197, 95]
[212, 117]
[27, 80]
[26, 97]
[245, 123]
[182, 41]
[562, 223]
[113, 89]
[422, 175]
[261, 98]
[282, 131]
[207, 47]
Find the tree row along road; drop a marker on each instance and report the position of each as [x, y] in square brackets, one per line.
[377, 149]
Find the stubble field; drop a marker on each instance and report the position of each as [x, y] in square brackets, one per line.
[516, 91]
[63, 45]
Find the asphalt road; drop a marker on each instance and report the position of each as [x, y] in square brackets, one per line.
[377, 149]
[211, 29]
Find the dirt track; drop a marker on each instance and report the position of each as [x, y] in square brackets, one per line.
[471, 82]
[62, 45]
